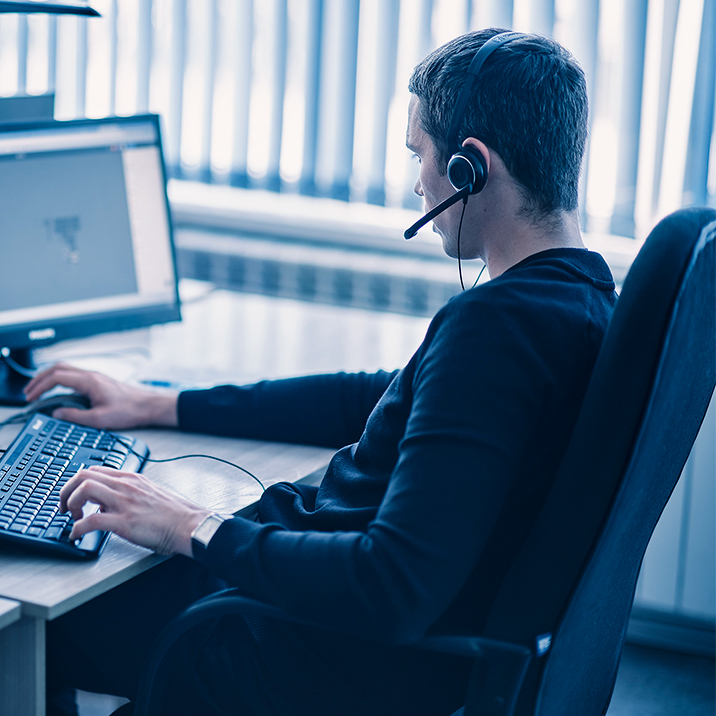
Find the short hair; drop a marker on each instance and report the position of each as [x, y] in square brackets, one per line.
[529, 104]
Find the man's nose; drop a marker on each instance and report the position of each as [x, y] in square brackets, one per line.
[418, 189]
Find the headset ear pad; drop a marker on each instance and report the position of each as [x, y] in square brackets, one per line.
[467, 167]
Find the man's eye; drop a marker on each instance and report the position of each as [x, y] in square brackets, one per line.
[416, 158]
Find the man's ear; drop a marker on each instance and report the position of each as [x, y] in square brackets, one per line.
[478, 146]
[470, 167]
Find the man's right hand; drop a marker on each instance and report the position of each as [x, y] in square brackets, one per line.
[114, 405]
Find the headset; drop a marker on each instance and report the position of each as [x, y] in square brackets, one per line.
[466, 169]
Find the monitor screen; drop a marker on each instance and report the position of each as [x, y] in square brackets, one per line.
[85, 231]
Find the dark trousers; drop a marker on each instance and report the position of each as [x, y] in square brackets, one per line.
[250, 667]
[102, 647]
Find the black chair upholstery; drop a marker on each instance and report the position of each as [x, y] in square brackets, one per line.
[555, 633]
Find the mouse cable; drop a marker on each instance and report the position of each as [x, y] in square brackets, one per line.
[11, 363]
[20, 417]
[15, 418]
[184, 457]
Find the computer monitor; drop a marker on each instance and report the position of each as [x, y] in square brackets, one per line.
[86, 241]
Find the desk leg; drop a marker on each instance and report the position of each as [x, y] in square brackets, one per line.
[22, 668]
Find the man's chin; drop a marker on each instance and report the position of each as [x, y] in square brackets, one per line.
[447, 248]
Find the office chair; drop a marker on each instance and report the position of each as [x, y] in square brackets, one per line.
[554, 636]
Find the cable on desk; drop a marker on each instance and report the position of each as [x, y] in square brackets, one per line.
[184, 457]
[21, 416]
[14, 418]
[11, 363]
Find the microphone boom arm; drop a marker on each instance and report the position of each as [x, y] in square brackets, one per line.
[461, 194]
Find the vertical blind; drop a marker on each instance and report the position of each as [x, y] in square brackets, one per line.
[310, 96]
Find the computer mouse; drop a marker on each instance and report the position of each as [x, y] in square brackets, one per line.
[51, 403]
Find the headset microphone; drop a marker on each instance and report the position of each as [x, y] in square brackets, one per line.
[461, 194]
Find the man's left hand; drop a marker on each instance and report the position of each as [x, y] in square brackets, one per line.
[132, 507]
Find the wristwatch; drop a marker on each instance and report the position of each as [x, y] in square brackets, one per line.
[205, 530]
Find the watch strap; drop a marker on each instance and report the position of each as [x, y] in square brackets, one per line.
[205, 530]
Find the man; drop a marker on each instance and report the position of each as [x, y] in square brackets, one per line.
[442, 465]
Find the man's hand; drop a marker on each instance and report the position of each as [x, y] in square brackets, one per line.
[132, 507]
[115, 405]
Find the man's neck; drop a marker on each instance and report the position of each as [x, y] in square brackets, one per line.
[522, 238]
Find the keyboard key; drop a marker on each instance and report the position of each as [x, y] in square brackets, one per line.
[53, 533]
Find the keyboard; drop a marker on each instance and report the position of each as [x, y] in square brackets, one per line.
[42, 458]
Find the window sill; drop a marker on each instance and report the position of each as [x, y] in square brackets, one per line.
[333, 224]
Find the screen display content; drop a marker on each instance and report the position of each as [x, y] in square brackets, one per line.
[86, 235]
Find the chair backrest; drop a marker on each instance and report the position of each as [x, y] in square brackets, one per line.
[574, 578]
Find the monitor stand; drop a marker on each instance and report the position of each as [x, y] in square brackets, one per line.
[12, 381]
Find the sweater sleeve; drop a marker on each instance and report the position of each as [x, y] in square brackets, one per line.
[456, 463]
[326, 410]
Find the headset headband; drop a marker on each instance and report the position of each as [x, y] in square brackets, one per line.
[472, 71]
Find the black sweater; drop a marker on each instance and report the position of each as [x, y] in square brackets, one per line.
[444, 466]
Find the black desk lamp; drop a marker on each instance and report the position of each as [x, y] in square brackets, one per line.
[68, 7]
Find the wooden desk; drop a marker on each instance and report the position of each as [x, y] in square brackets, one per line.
[48, 587]
[9, 613]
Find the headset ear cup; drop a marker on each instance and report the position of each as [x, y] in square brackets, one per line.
[465, 167]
